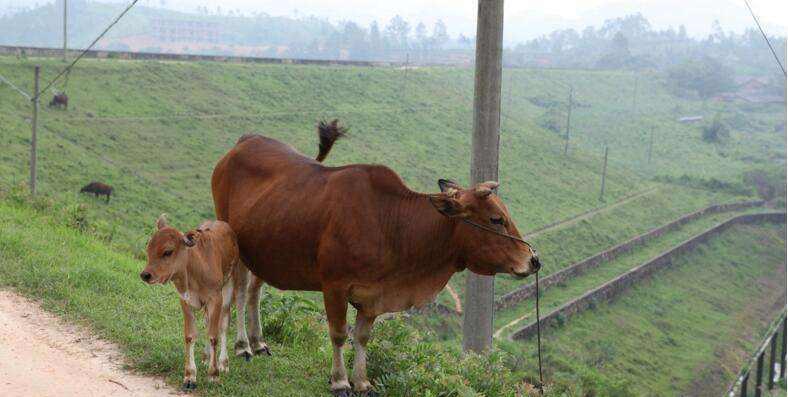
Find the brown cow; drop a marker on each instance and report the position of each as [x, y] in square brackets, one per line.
[97, 188]
[358, 234]
[59, 100]
[200, 264]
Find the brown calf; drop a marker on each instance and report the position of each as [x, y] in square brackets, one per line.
[200, 264]
[358, 234]
[97, 188]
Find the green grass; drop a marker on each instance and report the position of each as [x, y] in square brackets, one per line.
[686, 331]
[575, 287]
[83, 280]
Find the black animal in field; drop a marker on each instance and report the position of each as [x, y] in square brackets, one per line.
[98, 188]
[59, 100]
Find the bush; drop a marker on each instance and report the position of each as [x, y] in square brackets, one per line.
[716, 131]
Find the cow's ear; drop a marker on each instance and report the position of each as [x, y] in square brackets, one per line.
[161, 223]
[449, 206]
[485, 189]
[189, 238]
[448, 184]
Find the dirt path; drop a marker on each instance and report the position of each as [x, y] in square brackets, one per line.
[40, 356]
[577, 218]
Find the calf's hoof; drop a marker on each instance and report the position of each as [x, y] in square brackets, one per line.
[262, 350]
[368, 393]
[341, 393]
[189, 386]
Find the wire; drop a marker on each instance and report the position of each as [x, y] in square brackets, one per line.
[19, 90]
[764, 37]
[68, 68]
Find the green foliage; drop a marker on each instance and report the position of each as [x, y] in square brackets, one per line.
[717, 131]
[706, 76]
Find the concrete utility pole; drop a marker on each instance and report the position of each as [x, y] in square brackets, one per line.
[568, 119]
[477, 325]
[604, 175]
[650, 144]
[34, 123]
[65, 30]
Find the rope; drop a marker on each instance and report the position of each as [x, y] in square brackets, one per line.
[538, 336]
[19, 90]
[74, 62]
[764, 36]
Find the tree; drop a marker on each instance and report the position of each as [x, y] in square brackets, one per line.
[439, 35]
[705, 75]
[397, 32]
[716, 131]
[421, 36]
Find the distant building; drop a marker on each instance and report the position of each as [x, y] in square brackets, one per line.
[184, 30]
[690, 119]
[751, 89]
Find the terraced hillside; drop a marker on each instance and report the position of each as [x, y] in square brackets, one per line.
[685, 331]
[155, 129]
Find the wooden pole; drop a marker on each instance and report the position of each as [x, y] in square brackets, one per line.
[477, 323]
[772, 352]
[568, 119]
[782, 356]
[33, 138]
[604, 175]
[65, 30]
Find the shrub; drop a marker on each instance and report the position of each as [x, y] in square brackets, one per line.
[716, 131]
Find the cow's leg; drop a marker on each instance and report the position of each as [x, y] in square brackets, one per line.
[227, 301]
[240, 285]
[214, 314]
[253, 307]
[361, 334]
[336, 311]
[189, 337]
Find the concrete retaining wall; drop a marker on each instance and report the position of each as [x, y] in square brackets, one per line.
[101, 54]
[612, 288]
[527, 291]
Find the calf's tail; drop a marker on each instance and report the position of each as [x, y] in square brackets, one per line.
[328, 132]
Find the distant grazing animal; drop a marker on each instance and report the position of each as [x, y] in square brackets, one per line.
[205, 267]
[59, 100]
[97, 188]
[358, 234]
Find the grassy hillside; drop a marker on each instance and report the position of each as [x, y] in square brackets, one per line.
[686, 331]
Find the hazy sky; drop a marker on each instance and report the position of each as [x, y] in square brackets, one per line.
[524, 19]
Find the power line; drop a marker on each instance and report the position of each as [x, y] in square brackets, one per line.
[68, 68]
[19, 90]
[764, 36]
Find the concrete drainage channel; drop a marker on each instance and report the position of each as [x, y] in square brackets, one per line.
[527, 291]
[612, 288]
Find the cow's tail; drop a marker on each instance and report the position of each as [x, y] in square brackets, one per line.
[328, 133]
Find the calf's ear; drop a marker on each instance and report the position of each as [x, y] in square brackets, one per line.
[449, 206]
[161, 223]
[188, 238]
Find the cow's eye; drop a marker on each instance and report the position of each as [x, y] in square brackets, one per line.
[166, 253]
[497, 221]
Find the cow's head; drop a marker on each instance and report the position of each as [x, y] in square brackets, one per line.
[485, 251]
[167, 254]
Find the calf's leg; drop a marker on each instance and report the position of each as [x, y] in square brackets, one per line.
[361, 334]
[240, 286]
[189, 337]
[214, 314]
[227, 300]
[253, 308]
[336, 310]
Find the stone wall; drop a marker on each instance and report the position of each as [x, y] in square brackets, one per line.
[100, 54]
[612, 288]
[527, 291]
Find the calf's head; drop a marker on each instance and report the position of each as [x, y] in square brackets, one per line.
[485, 247]
[167, 253]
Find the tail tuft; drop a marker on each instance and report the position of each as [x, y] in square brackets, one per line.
[328, 133]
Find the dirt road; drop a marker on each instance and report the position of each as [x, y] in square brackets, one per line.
[40, 356]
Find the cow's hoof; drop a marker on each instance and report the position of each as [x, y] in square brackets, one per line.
[246, 356]
[341, 393]
[262, 350]
[189, 386]
[368, 393]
